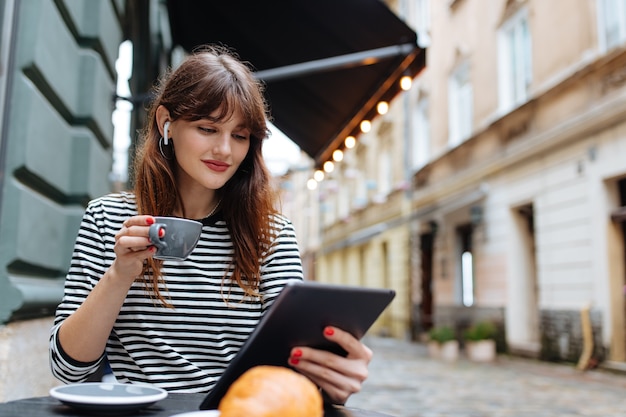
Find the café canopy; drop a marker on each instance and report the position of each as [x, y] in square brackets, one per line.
[326, 63]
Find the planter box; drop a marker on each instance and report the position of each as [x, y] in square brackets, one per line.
[481, 350]
[446, 351]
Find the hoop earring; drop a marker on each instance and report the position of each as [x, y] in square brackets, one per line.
[161, 142]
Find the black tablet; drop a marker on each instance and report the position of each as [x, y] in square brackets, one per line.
[297, 318]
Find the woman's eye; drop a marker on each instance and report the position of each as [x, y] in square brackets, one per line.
[240, 137]
[207, 129]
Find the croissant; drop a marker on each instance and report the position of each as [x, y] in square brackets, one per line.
[270, 391]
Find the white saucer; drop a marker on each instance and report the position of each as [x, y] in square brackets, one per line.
[108, 397]
[204, 413]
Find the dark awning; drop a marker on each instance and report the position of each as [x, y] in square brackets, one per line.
[326, 63]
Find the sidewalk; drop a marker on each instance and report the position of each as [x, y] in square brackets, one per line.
[405, 382]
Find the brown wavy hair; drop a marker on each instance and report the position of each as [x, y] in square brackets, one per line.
[211, 79]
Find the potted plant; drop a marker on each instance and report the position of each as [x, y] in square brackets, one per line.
[480, 341]
[443, 344]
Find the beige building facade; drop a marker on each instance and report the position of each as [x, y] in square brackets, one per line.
[525, 170]
[495, 188]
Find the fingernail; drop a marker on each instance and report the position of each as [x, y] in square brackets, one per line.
[329, 331]
[297, 353]
[294, 361]
[150, 221]
[161, 232]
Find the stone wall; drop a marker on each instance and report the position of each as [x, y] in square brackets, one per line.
[58, 151]
[562, 335]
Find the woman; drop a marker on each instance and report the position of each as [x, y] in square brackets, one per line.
[177, 324]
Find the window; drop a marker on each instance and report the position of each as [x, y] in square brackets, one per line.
[422, 22]
[343, 197]
[384, 172]
[514, 61]
[466, 264]
[359, 194]
[467, 272]
[361, 189]
[611, 23]
[421, 135]
[461, 105]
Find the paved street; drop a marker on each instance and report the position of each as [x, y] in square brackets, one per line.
[405, 382]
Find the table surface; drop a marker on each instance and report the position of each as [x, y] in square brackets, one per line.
[175, 403]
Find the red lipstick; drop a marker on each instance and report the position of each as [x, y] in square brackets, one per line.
[217, 166]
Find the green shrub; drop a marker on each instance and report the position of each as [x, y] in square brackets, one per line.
[481, 331]
[441, 334]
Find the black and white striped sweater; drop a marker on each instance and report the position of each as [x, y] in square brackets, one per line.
[187, 348]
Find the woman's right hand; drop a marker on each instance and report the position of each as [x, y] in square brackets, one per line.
[132, 247]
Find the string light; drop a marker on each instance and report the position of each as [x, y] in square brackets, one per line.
[329, 166]
[350, 142]
[311, 184]
[337, 155]
[382, 107]
[406, 82]
[318, 175]
[366, 126]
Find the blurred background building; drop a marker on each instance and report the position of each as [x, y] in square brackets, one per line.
[490, 187]
[495, 188]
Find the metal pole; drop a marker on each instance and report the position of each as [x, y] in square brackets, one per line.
[369, 57]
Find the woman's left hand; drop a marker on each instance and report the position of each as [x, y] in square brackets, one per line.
[338, 376]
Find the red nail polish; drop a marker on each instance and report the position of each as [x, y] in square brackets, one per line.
[297, 353]
[329, 331]
[150, 221]
[161, 232]
[294, 361]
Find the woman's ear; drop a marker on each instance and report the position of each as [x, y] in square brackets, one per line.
[162, 116]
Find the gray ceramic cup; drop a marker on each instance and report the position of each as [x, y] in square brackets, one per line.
[180, 238]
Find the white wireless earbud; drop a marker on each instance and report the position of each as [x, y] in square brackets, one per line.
[166, 139]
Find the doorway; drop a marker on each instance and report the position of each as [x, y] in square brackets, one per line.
[426, 284]
[524, 304]
[619, 217]
[616, 263]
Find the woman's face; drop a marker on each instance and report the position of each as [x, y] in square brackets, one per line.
[209, 152]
